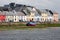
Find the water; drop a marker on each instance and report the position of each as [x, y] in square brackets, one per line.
[35, 34]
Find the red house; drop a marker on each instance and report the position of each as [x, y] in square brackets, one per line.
[2, 18]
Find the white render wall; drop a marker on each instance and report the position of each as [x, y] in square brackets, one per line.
[16, 18]
[25, 18]
[8, 18]
[36, 18]
[51, 18]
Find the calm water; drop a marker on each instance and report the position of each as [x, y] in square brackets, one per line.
[35, 34]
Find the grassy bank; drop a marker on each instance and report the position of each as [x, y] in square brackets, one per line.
[10, 26]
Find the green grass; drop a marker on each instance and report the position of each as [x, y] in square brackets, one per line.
[23, 26]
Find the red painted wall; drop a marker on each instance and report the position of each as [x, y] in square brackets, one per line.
[2, 18]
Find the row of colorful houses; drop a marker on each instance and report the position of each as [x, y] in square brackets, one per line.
[6, 17]
[21, 13]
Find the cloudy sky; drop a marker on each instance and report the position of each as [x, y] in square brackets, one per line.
[41, 4]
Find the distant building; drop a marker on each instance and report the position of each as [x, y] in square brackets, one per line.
[55, 16]
[18, 13]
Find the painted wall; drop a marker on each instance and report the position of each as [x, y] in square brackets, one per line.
[16, 18]
[2, 18]
[44, 16]
[55, 16]
[9, 18]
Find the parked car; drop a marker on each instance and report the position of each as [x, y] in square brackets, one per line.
[31, 24]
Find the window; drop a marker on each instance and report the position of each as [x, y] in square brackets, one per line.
[15, 19]
[38, 19]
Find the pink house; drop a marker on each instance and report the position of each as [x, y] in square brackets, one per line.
[55, 16]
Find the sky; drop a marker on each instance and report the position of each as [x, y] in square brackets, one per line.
[53, 5]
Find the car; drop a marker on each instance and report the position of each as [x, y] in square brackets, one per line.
[31, 24]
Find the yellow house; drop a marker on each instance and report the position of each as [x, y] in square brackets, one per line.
[31, 16]
[44, 16]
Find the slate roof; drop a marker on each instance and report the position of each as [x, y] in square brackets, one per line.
[22, 10]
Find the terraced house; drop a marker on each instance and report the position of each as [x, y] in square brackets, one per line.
[23, 13]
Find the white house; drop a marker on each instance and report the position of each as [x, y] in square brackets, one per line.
[9, 18]
[12, 16]
[50, 19]
[16, 18]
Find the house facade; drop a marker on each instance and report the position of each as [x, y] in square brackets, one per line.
[55, 17]
[23, 13]
[2, 18]
[7, 17]
[16, 18]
